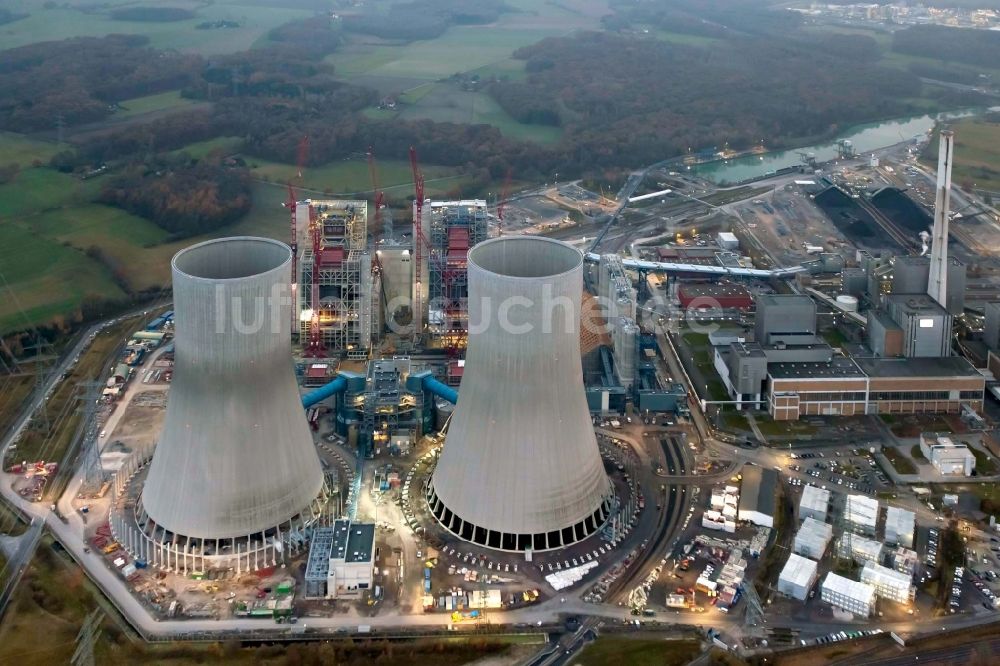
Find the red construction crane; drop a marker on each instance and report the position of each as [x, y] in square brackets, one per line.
[315, 347]
[502, 202]
[377, 191]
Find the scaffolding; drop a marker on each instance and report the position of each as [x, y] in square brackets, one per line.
[348, 293]
[451, 228]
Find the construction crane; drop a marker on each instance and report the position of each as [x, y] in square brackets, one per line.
[502, 202]
[315, 346]
[418, 235]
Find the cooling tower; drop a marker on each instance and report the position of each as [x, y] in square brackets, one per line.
[520, 468]
[235, 470]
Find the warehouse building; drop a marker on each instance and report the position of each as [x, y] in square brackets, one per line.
[861, 514]
[888, 584]
[757, 496]
[812, 539]
[797, 577]
[899, 527]
[849, 595]
[815, 503]
[947, 456]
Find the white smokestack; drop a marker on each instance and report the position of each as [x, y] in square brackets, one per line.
[937, 284]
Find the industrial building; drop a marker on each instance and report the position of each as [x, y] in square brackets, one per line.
[861, 514]
[341, 561]
[812, 539]
[727, 241]
[386, 409]
[448, 230]
[849, 595]
[888, 584]
[899, 527]
[858, 548]
[757, 496]
[911, 275]
[711, 295]
[815, 503]
[784, 318]
[991, 326]
[797, 577]
[925, 325]
[946, 455]
[234, 481]
[339, 296]
[617, 297]
[520, 469]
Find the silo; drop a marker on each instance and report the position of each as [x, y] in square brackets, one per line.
[234, 478]
[520, 468]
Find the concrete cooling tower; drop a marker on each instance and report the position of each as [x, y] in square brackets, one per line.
[235, 476]
[520, 469]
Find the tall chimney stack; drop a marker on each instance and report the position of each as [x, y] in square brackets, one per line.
[937, 284]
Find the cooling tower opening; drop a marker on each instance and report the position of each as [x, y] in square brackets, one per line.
[232, 258]
[525, 257]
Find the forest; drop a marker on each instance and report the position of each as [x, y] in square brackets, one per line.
[77, 80]
[185, 200]
[973, 47]
[627, 101]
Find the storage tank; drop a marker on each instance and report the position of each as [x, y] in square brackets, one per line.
[234, 480]
[847, 303]
[520, 468]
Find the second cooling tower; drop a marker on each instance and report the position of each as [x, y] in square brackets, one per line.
[520, 469]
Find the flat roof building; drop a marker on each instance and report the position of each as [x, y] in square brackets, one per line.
[888, 584]
[815, 503]
[341, 561]
[784, 314]
[858, 548]
[797, 577]
[812, 539]
[757, 496]
[849, 595]
[861, 513]
[899, 527]
[948, 456]
[926, 325]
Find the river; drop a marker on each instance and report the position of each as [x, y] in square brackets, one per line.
[865, 138]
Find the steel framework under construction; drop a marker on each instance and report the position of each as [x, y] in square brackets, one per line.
[450, 229]
[338, 295]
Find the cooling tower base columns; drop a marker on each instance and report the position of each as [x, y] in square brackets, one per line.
[538, 542]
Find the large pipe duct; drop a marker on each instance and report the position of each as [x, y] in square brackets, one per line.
[235, 462]
[520, 468]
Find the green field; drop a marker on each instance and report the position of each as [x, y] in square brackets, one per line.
[61, 22]
[20, 150]
[225, 145]
[638, 652]
[443, 102]
[160, 102]
[977, 154]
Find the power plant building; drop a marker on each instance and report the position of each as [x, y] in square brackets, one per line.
[520, 468]
[234, 480]
[450, 229]
[757, 496]
[348, 292]
[797, 577]
[341, 561]
[784, 317]
[926, 325]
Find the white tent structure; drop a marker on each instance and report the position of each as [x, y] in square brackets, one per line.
[520, 469]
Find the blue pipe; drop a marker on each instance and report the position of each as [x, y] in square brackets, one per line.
[336, 386]
[442, 391]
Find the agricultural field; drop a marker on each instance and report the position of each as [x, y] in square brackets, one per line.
[78, 19]
[25, 152]
[977, 154]
[138, 106]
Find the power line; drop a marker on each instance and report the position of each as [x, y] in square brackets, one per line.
[89, 632]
